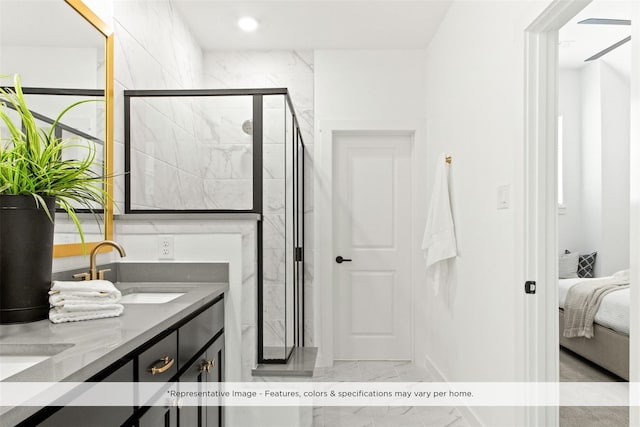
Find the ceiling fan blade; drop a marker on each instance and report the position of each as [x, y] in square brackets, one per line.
[609, 49]
[605, 21]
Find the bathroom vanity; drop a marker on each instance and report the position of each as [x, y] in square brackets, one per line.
[172, 330]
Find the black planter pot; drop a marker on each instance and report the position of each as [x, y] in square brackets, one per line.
[26, 256]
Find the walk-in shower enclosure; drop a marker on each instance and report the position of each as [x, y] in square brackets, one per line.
[228, 151]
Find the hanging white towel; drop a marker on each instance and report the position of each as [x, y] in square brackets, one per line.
[439, 241]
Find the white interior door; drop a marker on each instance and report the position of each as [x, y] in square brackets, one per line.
[372, 229]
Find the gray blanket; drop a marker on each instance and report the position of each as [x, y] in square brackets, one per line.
[582, 303]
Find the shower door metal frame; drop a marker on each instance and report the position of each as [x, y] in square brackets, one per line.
[257, 199]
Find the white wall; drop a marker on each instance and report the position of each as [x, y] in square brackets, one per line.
[594, 103]
[371, 88]
[591, 189]
[369, 84]
[475, 80]
[615, 170]
[103, 9]
[569, 100]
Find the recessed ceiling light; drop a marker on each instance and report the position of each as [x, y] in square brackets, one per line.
[248, 23]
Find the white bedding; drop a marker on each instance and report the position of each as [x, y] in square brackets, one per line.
[614, 309]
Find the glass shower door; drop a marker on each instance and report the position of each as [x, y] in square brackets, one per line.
[282, 222]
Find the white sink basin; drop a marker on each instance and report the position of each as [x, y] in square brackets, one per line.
[15, 358]
[150, 297]
[10, 364]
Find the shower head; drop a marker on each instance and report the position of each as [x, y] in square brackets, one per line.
[247, 127]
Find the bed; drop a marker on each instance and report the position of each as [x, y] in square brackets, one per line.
[609, 346]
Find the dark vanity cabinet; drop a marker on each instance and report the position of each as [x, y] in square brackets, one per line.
[214, 413]
[72, 416]
[192, 350]
[208, 367]
[158, 416]
[158, 363]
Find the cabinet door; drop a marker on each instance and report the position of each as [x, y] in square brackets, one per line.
[214, 414]
[193, 416]
[159, 416]
[198, 331]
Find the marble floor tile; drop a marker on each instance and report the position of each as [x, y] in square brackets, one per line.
[381, 375]
[410, 372]
[343, 417]
[367, 366]
[373, 411]
[381, 416]
[398, 420]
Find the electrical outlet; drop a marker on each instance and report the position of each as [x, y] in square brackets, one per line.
[165, 247]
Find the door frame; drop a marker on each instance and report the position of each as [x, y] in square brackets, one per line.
[324, 270]
[540, 213]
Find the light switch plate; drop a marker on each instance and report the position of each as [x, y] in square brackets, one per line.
[504, 199]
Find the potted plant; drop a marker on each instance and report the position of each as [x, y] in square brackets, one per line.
[34, 179]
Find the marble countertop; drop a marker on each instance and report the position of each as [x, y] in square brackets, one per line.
[90, 346]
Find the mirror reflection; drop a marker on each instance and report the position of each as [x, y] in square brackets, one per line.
[60, 63]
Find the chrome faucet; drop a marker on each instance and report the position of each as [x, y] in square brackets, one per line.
[93, 271]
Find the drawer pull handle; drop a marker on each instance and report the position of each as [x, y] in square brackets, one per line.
[207, 365]
[168, 363]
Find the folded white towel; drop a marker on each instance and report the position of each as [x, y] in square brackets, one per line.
[439, 240]
[103, 286]
[83, 292]
[60, 299]
[88, 307]
[60, 315]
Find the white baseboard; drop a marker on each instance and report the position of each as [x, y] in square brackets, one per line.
[469, 415]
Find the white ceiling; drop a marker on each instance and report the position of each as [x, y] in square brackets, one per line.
[45, 23]
[578, 41]
[312, 24]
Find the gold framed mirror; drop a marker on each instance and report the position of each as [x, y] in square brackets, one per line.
[69, 57]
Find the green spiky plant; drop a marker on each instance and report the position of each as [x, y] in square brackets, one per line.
[31, 161]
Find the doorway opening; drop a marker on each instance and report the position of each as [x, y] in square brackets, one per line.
[548, 228]
[593, 178]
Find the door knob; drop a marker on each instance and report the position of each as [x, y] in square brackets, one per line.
[340, 260]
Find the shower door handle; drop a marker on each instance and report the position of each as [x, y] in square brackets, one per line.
[340, 260]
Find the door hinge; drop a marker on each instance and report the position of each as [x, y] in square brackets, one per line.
[530, 287]
[298, 254]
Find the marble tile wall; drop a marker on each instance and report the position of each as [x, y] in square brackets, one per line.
[146, 58]
[191, 153]
[187, 153]
[154, 50]
[275, 69]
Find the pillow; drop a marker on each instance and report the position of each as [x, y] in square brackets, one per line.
[568, 266]
[586, 263]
